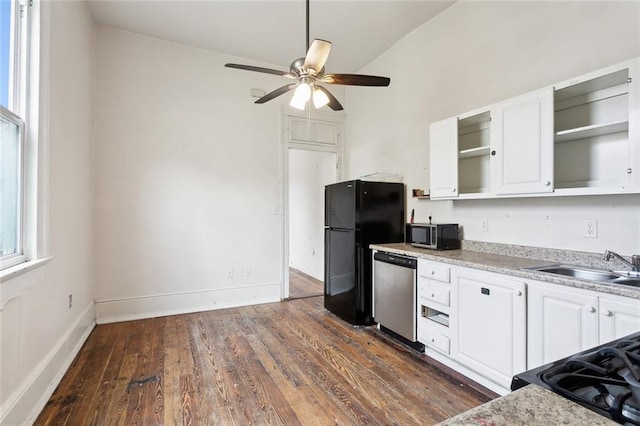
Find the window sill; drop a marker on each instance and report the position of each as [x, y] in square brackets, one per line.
[22, 268]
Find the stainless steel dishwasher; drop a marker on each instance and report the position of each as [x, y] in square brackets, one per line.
[394, 296]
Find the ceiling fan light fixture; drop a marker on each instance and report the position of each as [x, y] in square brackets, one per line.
[320, 98]
[301, 96]
[298, 103]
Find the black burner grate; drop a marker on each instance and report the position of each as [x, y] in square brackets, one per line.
[606, 380]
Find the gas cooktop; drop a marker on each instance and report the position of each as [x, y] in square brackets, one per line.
[605, 379]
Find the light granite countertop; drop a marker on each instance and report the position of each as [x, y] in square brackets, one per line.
[530, 406]
[510, 259]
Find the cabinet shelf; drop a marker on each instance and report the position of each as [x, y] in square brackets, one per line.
[591, 131]
[435, 315]
[440, 319]
[474, 152]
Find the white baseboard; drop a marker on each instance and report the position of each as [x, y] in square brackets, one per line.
[109, 311]
[25, 404]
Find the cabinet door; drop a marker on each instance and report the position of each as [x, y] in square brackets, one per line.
[619, 317]
[633, 170]
[491, 324]
[561, 322]
[443, 163]
[523, 145]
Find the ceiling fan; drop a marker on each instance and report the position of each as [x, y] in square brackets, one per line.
[309, 73]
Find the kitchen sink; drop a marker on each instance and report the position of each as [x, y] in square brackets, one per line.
[635, 282]
[577, 272]
[601, 275]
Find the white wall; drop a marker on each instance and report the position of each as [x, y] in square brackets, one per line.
[472, 55]
[39, 333]
[309, 172]
[188, 174]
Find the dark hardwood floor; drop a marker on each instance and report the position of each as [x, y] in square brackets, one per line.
[303, 285]
[291, 362]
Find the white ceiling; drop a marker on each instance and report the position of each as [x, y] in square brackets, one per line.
[273, 31]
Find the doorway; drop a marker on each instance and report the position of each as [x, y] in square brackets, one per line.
[309, 172]
[311, 157]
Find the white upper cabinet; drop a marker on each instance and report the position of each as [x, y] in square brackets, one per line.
[596, 135]
[523, 144]
[444, 168]
[578, 137]
[473, 153]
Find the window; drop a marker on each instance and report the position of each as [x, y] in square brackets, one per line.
[13, 115]
[11, 131]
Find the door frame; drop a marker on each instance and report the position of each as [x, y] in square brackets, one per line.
[285, 145]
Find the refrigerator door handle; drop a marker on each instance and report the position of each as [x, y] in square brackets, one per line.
[359, 277]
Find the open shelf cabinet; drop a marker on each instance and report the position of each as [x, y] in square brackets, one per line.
[474, 146]
[591, 132]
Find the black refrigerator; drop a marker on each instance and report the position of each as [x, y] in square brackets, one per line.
[357, 213]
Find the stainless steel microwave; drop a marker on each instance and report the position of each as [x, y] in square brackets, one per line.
[433, 236]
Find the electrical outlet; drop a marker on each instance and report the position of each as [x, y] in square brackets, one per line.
[590, 229]
[229, 273]
[247, 271]
[70, 301]
[484, 225]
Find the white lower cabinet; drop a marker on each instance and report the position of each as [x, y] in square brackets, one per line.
[434, 305]
[562, 321]
[490, 326]
[619, 317]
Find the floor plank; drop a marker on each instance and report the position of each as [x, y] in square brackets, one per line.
[291, 362]
[302, 285]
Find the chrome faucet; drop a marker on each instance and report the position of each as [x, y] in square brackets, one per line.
[634, 264]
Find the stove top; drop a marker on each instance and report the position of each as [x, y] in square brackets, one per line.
[605, 379]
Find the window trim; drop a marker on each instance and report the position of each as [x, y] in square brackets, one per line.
[31, 105]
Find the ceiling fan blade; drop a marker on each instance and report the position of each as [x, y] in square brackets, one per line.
[355, 80]
[260, 69]
[276, 93]
[333, 102]
[317, 55]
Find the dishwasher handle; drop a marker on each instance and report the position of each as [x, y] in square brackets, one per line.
[394, 259]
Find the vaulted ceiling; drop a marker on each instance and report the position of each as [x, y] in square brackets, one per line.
[273, 31]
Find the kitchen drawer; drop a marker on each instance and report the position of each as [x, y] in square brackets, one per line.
[435, 292]
[433, 271]
[434, 340]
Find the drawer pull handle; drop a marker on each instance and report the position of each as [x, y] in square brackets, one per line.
[433, 272]
[592, 309]
[433, 295]
[433, 340]
[609, 313]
